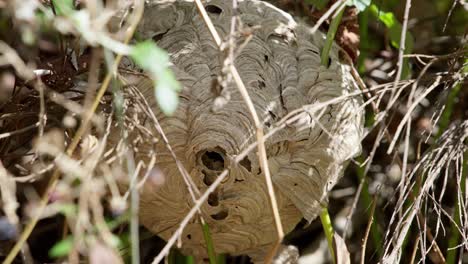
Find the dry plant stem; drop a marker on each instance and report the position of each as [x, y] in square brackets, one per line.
[192, 212]
[76, 139]
[455, 233]
[202, 199]
[402, 46]
[437, 256]
[192, 188]
[288, 119]
[336, 5]
[134, 202]
[19, 131]
[415, 250]
[42, 112]
[388, 136]
[422, 97]
[260, 134]
[368, 228]
[10, 205]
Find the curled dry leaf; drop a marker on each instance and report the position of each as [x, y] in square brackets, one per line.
[341, 251]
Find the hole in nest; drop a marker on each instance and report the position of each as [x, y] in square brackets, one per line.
[158, 37]
[220, 216]
[213, 199]
[209, 178]
[213, 9]
[245, 162]
[213, 160]
[261, 84]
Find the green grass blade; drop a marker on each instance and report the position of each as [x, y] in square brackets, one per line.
[330, 37]
[328, 229]
[209, 243]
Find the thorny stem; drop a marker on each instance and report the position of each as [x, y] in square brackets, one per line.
[76, 139]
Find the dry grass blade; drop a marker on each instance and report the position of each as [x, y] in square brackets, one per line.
[259, 128]
[450, 148]
[76, 139]
[368, 228]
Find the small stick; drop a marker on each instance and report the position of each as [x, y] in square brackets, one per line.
[260, 134]
[415, 250]
[76, 139]
[368, 228]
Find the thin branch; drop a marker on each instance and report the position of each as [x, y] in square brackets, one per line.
[76, 139]
[368, 228]
[335, 6]
[402, 46]
[260, 134]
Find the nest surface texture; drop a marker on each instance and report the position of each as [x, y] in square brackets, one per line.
[280, 65]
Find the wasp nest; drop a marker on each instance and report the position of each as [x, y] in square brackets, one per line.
[280, 65]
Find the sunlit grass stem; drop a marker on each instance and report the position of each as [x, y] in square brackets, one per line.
[328, 229]
[330, 37]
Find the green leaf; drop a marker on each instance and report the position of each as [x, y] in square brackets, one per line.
[67, 209]
[166, 92]
[61, 248]
[63, 7]
[155, 60]
[394, 29]
[150, 57]
[319, 4]
[359, 4]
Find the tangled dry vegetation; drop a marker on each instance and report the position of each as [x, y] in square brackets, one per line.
[101, 131]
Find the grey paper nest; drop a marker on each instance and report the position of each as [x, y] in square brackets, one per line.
[281, 68]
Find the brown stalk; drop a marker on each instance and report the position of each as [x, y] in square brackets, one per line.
[76, 139]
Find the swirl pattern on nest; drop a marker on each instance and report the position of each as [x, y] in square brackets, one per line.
[281, 68]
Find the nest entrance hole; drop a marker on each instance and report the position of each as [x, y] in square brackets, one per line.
[213, 160]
